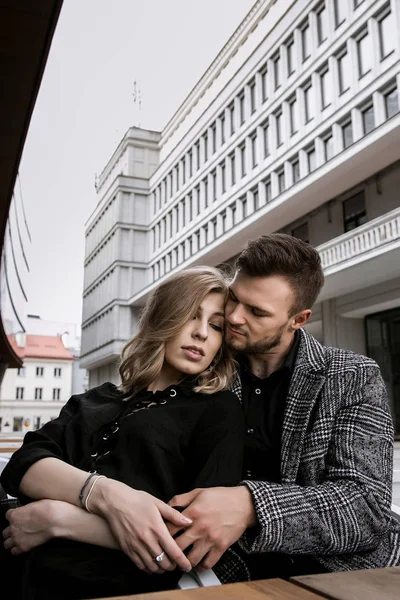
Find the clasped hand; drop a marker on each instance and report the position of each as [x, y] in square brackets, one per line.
[220, 516]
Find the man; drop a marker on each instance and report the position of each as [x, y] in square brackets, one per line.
[317, 485]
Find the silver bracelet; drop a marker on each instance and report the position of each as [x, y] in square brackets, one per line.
[91, 490]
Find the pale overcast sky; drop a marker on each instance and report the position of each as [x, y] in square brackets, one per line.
[85, 106]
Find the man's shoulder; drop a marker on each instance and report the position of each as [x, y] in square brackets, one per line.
[336, 359]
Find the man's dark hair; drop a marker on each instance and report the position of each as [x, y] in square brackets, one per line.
[280, 254]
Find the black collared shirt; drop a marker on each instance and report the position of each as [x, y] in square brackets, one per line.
[264, 403]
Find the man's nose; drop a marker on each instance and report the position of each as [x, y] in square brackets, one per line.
[235, 314]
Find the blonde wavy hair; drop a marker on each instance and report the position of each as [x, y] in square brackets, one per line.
[169, 307]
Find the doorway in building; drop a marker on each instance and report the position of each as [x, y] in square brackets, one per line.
[383, 345]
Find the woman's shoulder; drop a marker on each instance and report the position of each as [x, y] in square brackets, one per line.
[223, 397]
[105, 392]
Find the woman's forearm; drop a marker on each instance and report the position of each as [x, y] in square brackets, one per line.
[76, 524]
[54, 479]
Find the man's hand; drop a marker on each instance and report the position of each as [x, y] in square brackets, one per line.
[220, 516]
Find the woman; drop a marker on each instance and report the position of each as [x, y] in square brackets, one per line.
[104, 470]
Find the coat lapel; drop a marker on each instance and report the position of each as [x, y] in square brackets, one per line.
[306, 383]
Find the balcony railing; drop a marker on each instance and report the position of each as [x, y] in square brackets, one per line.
[368, 237]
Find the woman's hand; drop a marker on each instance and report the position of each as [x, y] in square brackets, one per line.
[31, 525]
[137, 521]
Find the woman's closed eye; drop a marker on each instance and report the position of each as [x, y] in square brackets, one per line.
[217, 326]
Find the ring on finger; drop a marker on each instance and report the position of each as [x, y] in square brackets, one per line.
[159, 557]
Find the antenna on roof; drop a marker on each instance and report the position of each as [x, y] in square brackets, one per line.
[137, 99]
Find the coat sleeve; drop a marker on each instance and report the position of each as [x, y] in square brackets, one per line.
[217, 444]
[348, 510]
[48, 441]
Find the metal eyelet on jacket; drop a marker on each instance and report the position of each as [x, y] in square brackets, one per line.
[163, 402]
[172, 393]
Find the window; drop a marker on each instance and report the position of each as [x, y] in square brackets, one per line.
[387, 35]
[17, 423]
[391, 103]
[264, 84]
[278, 118]
[56, 393]
[268, 190]
[21, 372]
[305, 42]
[281, 181]
[254, 151]
[322, 24]
[364, 55]
[309, 103]
[347, 130]
[301, 232]
[205, 182]
[222, 124]
[197, 147]
[293, 116]
[368, 119]
[326, 88]
[256, 199]
[19, 393]
[277, 71]
[241, 108]
[242, 150]
[290, 57]
[214, 185]
[328, 147]
[190, 160]
[266, 138]
[296, 170]
[213, 138]
[244, 206]
[233, 209]
[311, 160]
[252, 89]
[223, 177]
[233, 168]
[36, 423]
[205, 138]
[354, 213]
[344, 72]
[340, 11]
[357, 3]
[232, 118]
[39, 371]
[57, 372]
[38, 393]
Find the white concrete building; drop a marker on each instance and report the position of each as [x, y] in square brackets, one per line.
[35, 393]
[294, 127]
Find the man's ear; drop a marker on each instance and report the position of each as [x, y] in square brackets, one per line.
[300, 319]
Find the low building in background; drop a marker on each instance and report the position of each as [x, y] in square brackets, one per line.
[50, 373]
[35, 393]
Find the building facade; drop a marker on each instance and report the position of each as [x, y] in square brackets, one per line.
[49, 374]
[294, 127]
[35, 393]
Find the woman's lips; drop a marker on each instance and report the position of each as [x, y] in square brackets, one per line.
[193, 354]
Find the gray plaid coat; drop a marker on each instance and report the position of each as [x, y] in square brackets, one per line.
[334, 499]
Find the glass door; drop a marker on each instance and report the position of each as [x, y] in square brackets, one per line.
[383, 345]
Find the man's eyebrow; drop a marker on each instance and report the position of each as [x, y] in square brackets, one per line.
[251, 306]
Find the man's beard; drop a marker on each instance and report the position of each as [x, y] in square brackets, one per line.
[265, 345]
